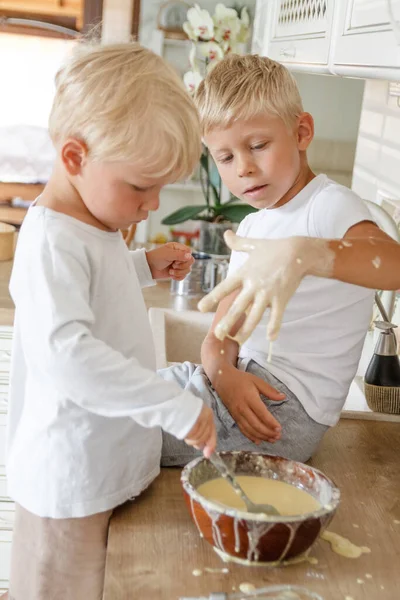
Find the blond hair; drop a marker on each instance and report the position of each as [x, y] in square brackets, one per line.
[242, 87]
[126, 104]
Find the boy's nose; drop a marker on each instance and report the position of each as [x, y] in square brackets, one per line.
[245, 168]
[154, 202]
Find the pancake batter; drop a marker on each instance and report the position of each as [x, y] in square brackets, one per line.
[288, 499]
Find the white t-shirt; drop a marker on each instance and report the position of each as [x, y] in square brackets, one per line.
[324, 325]
[85, 405]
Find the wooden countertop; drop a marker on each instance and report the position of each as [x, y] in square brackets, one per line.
[154, 546]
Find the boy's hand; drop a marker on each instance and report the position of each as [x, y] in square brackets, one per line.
[240, 392]
[203, 435]
[170, 260]
[269, 277]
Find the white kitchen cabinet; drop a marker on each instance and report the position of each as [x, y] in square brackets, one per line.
[366, 39]
[354, 38]
[300, 34]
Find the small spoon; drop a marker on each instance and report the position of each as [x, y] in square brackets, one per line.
[227, 474]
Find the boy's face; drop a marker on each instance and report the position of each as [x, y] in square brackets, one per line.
[117, 194]
[260, 160]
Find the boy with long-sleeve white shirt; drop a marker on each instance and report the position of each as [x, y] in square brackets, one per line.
[86, 406]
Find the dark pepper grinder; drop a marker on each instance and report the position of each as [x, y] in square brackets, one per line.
[384, 368]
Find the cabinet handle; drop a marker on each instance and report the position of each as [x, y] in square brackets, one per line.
[288, 52]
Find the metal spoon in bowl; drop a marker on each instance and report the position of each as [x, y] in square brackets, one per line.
[227, 474]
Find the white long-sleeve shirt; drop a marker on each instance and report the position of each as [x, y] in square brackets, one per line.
[85, 405]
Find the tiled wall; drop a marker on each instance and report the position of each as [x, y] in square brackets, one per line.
[377, 164]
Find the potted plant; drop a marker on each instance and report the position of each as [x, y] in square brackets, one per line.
[212, 38]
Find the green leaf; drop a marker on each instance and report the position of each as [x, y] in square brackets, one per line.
[216, 195]
[235, 212]
[184, 214]
[214, 174]
[231, 200]
[204, 162]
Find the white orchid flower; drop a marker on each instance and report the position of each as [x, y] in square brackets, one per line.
[211, 50]
[222, 13]
[226, 23]
[188, 29]
[244, 30]
[192, 80]
[244, 17]
[199, 25]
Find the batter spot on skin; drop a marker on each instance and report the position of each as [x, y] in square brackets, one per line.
[219, 372]
[360, 581]
[246, 587]
[349, 598]
[222, 351]
[396, 522]
[356, 526]
[340, 247]
[368, 575]
[299, 261]
[347, 244]
[197, 572]
[343, 546]
[377, 262]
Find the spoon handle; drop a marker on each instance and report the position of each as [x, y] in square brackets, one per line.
[226, 473]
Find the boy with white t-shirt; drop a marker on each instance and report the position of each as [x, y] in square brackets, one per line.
[86, 405]
[257, 132]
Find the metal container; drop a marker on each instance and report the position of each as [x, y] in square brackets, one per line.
[212, 238]
[200, 280]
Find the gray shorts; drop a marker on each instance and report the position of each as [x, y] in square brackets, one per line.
[300, 433]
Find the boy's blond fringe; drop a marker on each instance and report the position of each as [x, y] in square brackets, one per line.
[242, 87]
[126, 104]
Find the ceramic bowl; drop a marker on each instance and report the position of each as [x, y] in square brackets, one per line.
[258, 538]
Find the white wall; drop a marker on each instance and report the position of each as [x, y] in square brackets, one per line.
[377, 165]
[335, 104]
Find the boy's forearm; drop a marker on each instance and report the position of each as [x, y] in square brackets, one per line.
[372, 263]
[218, 357]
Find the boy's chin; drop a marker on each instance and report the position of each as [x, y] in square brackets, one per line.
[262, 203]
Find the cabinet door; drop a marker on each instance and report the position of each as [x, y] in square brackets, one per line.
[301, 31]
[367, 35]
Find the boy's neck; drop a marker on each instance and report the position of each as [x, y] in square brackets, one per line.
[62, 196]
[303, 178]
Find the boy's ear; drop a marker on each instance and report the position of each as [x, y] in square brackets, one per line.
[73, 155]
[305, 130]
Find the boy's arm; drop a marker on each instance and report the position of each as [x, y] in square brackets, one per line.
[372, 260]
[239, 391]
[142, 267]
[366, 256]
[56, 320]
[217, 355]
